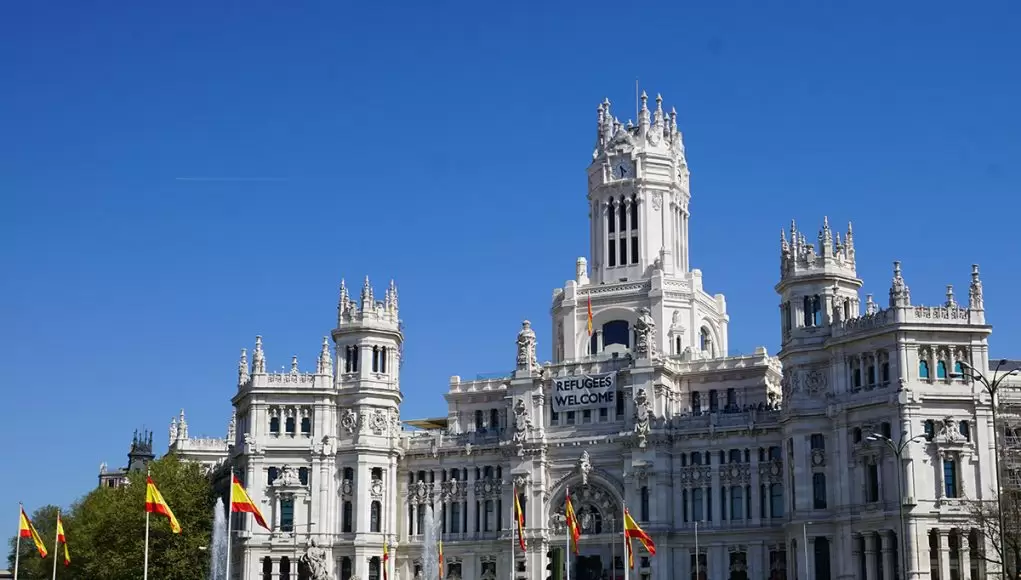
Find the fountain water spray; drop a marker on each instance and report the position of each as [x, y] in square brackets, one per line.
[218, 545]
[430, 545]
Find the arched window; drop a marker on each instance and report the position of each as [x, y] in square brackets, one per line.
[941, 369]
[345, 568]
[306, 425]
[374, 517]
[285, 568]
[958, 370]
[267, 568]
[705, 342]
[274, 425]
[374, 568]
[289, 425]
[923, 369]
[616, 332]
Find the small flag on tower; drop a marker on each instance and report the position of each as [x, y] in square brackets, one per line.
[27, 530]
[240, 501]
[154, 503]
[590, 315]
[62, 540]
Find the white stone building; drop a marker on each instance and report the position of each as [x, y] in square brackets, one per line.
[756, 452]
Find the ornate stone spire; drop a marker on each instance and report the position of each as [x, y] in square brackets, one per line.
[367, 297]
[294, 365]
[243, 368]
[325, 364]
[182, 426]
[900, 295]
[173, 430]
[258, 358]
[951, 301]
[343, 302]
[975, 292]
[232, 427]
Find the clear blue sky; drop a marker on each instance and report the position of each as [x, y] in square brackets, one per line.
[445, 145]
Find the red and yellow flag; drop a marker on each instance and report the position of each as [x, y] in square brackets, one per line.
[240, 501]
[386, 558]
[572, 524]
[154, 503]
[27, 530]
[633, 531]
[441, 558]
[519, 515]
[590, 315]
[62, 540]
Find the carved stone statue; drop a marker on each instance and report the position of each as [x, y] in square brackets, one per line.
[526, 347]
[314, 559]
[641, 417]
[522, 423]
[645, 334]
[173, 430]
[584, 467]
[949, 431]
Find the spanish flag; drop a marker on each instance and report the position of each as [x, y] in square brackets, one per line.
[154, 503]
[572, 524]
[441, 558]
[520, 517]
[590, 315]
[386, 558]
[633, 531]
[27, 530]
[62, 540]
[240, 501]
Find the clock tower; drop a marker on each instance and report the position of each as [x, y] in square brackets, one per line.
[638, 196]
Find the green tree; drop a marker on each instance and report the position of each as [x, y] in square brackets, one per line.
[106, 529]
[31, 565]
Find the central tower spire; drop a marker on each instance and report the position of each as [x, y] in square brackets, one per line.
[638, 195]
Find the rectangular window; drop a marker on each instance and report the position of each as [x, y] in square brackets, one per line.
[697, 509]
[818, 442]
[872, 374]
[611, 253]
[776, 500]
[950, 478]
[490, 516]
[287, 515]
[586, 416]
[570, 417]
[603, 413]
[709, 504]
[634, 249]
[623, 252]
[455, 518]
[644, 512]
[736, 503]
[819, 491]
[619, 400]
[348, 517]
[872, 484]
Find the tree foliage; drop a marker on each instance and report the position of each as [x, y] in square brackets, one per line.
[106, 530]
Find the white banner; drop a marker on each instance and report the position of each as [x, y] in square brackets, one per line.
[578, 392]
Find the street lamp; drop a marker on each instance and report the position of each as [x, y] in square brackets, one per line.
[992, 387]
[898, 452]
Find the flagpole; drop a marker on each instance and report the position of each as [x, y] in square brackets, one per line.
[230, 520]
[514, 518]
[56, 538]
[567, 550]
[697, 556]
[17, 545]
[145, 569]
[627, 555]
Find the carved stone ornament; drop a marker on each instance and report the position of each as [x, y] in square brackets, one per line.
[521, 481]
[948, 431]
[288, 478]
[378, 423]
[815, 381]
[526, 348]
[251, 444]
[347, 487]
[657, 200]
[645, 334]
[376, 488]
[584, 467]
[349, 421]
[641, 417]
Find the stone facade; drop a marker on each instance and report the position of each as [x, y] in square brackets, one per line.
[745, 456]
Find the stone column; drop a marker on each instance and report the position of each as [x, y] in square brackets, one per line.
[964, 554]
[472, 503]
[944, 554]
[856, 556]
[756, 494]
[889, 554]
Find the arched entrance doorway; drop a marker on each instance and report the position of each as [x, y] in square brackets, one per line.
[599, 512]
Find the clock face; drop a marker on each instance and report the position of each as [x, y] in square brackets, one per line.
[622, 169]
